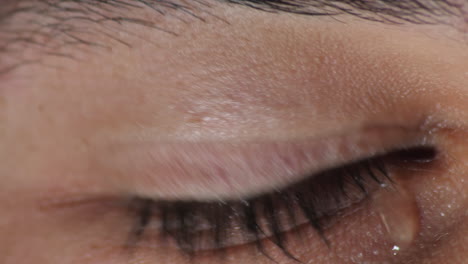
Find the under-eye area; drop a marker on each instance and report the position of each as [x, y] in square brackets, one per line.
[317, 202]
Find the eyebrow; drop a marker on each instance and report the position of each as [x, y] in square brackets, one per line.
[30, 22]
[393, 11]
[58, 15]
[390, 11]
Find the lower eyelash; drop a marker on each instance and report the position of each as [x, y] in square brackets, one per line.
[200, 226]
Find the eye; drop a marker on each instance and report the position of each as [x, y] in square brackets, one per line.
[319, 201]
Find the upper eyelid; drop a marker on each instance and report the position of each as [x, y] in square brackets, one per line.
[187, 168]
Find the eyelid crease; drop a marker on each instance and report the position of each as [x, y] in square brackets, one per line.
[56, 201]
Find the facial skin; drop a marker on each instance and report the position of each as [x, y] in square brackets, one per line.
[194, 105]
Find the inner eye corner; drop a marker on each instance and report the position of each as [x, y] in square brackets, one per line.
[418, 154]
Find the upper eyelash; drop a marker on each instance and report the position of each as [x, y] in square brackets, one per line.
[258, 216]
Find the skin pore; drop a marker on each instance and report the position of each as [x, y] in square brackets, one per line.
[101, 102]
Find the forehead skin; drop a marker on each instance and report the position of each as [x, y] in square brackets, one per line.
[79, 92]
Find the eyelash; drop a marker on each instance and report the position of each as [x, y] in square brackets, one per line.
[199, 226]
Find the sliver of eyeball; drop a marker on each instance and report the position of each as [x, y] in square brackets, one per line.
[399, 214]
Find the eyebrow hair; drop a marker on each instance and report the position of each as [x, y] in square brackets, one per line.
[391, 11]
[49, 25]
[387, 11]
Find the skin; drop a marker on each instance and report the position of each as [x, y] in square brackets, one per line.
[84, 132]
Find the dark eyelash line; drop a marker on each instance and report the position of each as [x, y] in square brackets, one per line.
[258, 216]
[200, 226]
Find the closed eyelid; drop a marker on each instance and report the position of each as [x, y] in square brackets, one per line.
[222, 170]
